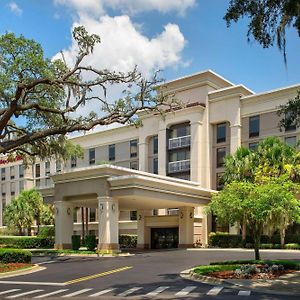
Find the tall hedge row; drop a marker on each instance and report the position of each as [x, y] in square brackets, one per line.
[26, 242]
[14, 256]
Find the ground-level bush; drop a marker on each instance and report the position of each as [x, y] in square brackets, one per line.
[47, 232]
[90, 242]
[26, 242]
[15, 256]
[75, 242]
[128, 241]
[225, 240]
[292, 246]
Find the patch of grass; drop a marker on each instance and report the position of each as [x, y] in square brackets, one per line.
[63, 251]
[203, 270]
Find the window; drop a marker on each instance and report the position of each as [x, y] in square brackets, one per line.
[48, 181]
[133, 148]
[73, 161]
[133, 215]
[155, 144]
[21, 171]
[291, 141]
[12, 172]
[134, 165]
[3, 174]
[12, 188]
[47, 168]
[75, 212]
[290, 121]
[155, 212]
[21, 186]
[3, 190]
[37, 170]
[220, 181]
[253, 126]
[221, 153]
[155, 165]
[180, 155]
[111, 152]
[92, 214]
[3, 209]
[92, 156]
[58, 166]
[221, 133]
[38, 183]
[253, 146]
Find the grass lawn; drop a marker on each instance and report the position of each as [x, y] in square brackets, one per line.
[64, 251]
[235, 264]
[13, 267]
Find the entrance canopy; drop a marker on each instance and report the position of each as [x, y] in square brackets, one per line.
[133, 189]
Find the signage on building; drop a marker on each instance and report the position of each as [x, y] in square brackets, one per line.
[9, 160]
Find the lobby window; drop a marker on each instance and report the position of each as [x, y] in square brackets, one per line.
[3, 174]
[133, 148]
[220, 181]
[12, 188]
[47, 168]
[290, 121]
[155, 144]
[58, 166]
[155, 165]
[92, 156]
[133, 215]
[111, 152]
[221, 153]
[155, 212]
[221, 133]
[253, 146]
[92, 214]
[254, 126]
[12, 172]
[73, 161]
[134, 165]
[37, 170]
[21, 171]
[21, 186]
[291, 141]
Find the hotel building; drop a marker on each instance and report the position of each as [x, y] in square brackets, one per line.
[155, 180]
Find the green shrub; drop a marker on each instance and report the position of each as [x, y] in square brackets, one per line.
[75, 242]
[292, 246]
[266, 246]
[47, 232]
[128, 241]
[26, 242]
[90, 242]
[225, 240]
[15, 256]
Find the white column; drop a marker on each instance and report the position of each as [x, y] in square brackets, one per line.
[186, 227]
[197, 155]
[162, 151]
[108, 223]
[235, 137]
[63, 224]
[143, 232]
[143, 155]
[206, 228]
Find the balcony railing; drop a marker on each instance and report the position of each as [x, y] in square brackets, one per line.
[179, 142]
[179, 166]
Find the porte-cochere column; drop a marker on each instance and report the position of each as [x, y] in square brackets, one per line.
[108, 223]
[186, 227]
[63, 224]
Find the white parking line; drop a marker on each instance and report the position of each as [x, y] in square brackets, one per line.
[51, 294]
[244, 293]
[23, 294]
[157, 291]
[33, 283]
[130, 291]
[9, 291]
[215, 291]
[102, 292]
[76, 293]
[47, 262]
[185, 291]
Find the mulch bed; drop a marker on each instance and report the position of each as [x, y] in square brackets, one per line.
[13, 267]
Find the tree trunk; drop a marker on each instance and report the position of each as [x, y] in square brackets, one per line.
[82, 224]
[282, 237]
[29, 230]
[244, 230]
[38, 223]
[87, 220]
[20, 230]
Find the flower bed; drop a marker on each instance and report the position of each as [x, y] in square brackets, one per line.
[13, 267]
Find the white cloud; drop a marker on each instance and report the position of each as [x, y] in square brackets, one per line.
[99, 7]
[13, 6]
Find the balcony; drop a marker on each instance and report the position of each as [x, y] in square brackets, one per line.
[179, 166]
[180, 142]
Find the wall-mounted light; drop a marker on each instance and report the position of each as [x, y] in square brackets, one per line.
[140, 217]
[68, 210]
[113, 207]
[56, 210]
[191, 215]
[181, 215]
[101, 207]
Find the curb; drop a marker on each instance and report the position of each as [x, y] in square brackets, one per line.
[190, 275]
[80, 255]
[33, 269]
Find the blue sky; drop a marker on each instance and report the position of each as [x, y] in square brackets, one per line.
[180, 37]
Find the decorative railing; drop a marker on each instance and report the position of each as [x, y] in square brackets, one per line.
[179, 142]
[179, 166]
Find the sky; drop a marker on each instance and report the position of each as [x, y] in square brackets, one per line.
[179, 37]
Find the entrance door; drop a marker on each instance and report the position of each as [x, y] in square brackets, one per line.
[163, 238]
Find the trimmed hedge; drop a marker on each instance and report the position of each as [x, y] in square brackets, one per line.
[225, 240]
[14, 256]
[76, 242]
[26, 242]
[292, 246]
[128, 241]
[90, 242]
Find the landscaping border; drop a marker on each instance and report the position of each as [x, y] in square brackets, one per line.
[24, 271]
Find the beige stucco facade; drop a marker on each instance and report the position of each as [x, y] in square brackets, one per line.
[116, 179]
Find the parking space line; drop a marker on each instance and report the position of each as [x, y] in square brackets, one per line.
[244, 293]
[185, 291]
[102, 292]
[9, 291]
[24, 294]
[51, 294]
[130, 291]
[76, 293]
[215, 291]
[97, 275]
[157, 291]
